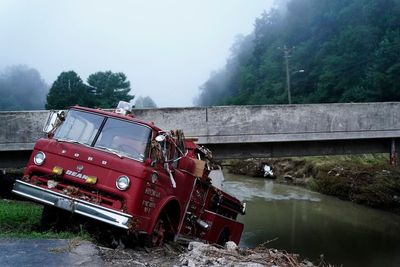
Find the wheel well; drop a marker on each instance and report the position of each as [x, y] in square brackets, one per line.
[224, 236]
[172, 209]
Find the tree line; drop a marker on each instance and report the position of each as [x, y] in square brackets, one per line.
[338, 51]
[103, 89]
[22, 88]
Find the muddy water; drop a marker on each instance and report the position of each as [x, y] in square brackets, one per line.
[311, 224]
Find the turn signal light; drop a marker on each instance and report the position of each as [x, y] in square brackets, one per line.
[91, 180]
[58, 170]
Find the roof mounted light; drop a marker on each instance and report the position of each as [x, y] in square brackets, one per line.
[123, 108]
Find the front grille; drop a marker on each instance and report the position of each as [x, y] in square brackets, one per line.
[77, 191]
[85, 208]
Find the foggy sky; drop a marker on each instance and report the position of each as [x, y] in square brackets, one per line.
[166, 48]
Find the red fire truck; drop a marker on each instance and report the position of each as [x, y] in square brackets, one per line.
[117, 169]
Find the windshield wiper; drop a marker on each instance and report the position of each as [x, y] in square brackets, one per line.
[115, 152]
[68, 141]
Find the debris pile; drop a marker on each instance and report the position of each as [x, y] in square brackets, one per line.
[168, 255]
[200, 254]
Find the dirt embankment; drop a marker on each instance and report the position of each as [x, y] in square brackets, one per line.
[365, 179]
[283, 170]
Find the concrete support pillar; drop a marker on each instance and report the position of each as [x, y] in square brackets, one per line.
[393, 153]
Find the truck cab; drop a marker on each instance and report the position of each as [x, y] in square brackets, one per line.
[117, 169]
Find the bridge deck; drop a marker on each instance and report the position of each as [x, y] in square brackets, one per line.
[251, 131]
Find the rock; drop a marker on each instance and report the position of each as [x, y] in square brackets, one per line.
[231, 246]
[221, 261]
[190, 263]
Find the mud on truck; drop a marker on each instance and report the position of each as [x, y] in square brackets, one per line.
[128, 173]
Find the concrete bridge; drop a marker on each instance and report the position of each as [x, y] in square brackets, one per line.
[246, 131]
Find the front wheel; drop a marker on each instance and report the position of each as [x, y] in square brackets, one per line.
[157, 237]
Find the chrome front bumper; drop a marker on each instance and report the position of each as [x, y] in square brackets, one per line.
[78, 206]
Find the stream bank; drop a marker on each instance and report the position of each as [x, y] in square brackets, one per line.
[363, 179]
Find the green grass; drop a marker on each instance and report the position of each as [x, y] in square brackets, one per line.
[20, 219]
[356, 161]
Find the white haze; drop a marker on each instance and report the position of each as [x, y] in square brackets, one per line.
[166, 48]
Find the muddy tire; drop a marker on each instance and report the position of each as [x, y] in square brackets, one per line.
[157, 237]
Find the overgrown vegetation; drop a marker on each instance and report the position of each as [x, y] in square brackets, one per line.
[21, 219]
[366, 180]
[339, 51]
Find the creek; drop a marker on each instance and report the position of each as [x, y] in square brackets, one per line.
[304, 222]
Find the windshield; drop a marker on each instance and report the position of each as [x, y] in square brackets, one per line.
[80, 127]
[120, 137]
[125, 138]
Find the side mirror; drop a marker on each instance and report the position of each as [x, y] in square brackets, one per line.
[54, 120]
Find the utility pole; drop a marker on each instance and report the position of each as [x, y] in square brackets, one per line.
[286, 52]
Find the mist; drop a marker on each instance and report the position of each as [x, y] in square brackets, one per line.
[339, 51]
[166, 48]
[223, 83]
[22, 88]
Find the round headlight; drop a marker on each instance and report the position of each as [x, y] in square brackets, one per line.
[39, 158]
[122, 182]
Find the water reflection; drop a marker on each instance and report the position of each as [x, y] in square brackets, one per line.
[260, 188]
[312, 224]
